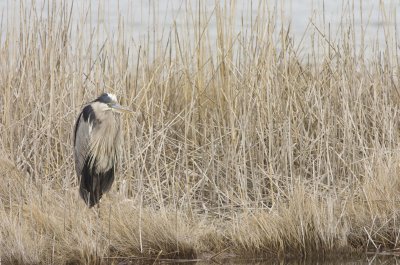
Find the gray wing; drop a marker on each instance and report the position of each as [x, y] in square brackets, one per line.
[83, 128]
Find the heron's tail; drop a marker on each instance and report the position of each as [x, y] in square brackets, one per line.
[90, 197]
[93, 185]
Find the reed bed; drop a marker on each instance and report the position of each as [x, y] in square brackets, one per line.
[240, 146]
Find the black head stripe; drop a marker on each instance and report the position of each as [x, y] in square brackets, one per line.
[104, 98]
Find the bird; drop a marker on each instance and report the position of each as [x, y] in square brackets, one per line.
[97, 138]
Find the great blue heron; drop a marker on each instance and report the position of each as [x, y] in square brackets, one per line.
[96, 146]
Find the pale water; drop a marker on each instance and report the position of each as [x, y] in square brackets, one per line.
[149, 22]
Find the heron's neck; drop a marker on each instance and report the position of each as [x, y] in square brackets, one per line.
[105, 141]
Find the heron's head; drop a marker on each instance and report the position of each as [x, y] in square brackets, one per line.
[109, 102]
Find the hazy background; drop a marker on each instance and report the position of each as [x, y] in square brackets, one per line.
[309, 20]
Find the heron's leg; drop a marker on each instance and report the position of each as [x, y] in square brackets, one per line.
[97, 209]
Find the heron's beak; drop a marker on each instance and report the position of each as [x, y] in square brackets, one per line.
[120, 109]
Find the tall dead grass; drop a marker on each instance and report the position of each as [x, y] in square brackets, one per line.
[241, 146]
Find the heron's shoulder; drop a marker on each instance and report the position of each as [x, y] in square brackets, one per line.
[88, 114]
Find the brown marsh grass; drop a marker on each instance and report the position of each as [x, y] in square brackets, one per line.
[240, 146]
